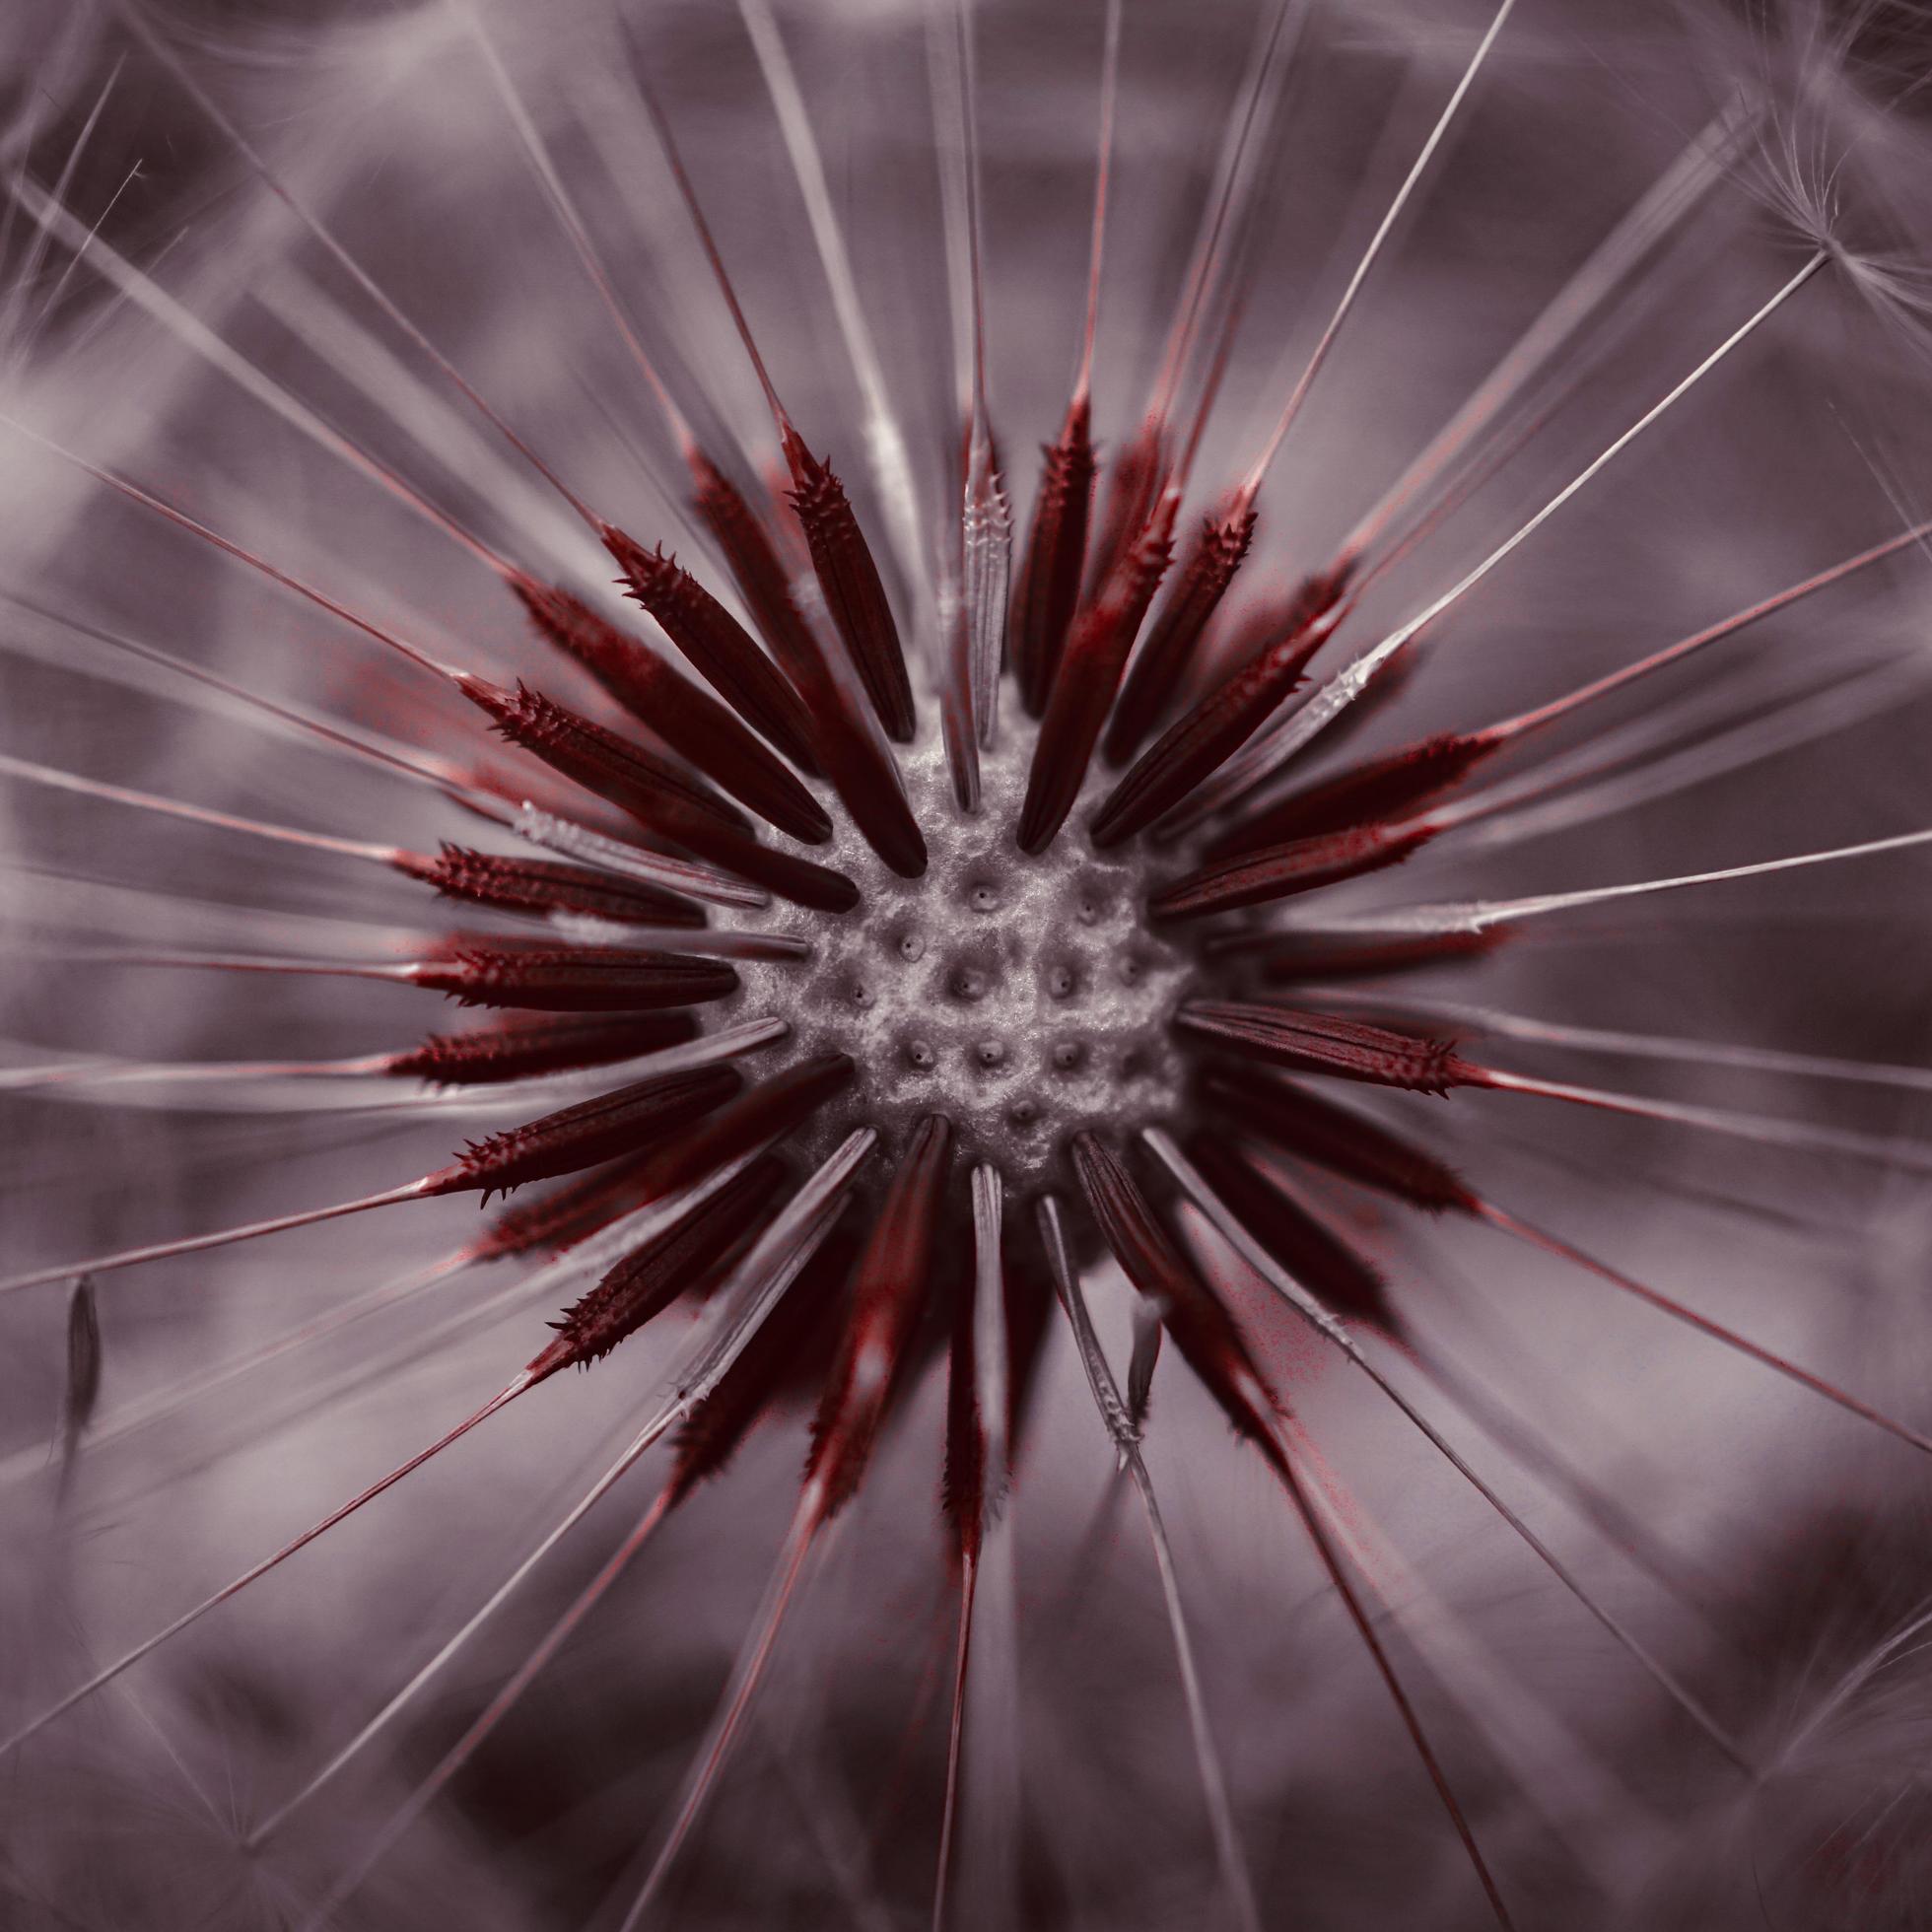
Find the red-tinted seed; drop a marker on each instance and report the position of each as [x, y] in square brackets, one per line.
[862, 774]
[1292, 956]
[690, 720]
[795, 881]
[1200, 743]
[972, 1488]
[1315, 613]
[1083, 689]
[1338, 1139]
[1379, 789]
[758, 1117]
[1320, 1042]
[1281, 870]
[1048, 589]
[889, 1293]
[717, 646]
[787, 539]
[630, 774]
[522, 1049]
[593, 1131]
[1257, 624]
[1343, 1281]
[855, 598]
[513, 783]
[962, 1477]
[1319, 592]
[656, 794]
[653, 1274]
[860, 769]
[570, 1213]
[791, 1349]
[760, 573]
[1197, 594]
[1192, 1314]
[956, 731]
[1135, 480]
[1242, 777]
[544, 885]
[575, 979]
[1383, 690]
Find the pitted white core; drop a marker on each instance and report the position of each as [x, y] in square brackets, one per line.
[1025, 999]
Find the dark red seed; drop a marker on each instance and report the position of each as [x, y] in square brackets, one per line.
[630, 774]
[1380, 788]
[1339, 1278]
[970, 1489]
[1197, 745]
[522, 1049]
[1175, 633]
[864, 776]
[795, 881]
[1240, 634]
[787, 539]
[1315, 610]
[575, 979]
[656, 794]
[1280, 872]
[860, 769]
[653, 1274]
[570, 1213]
[1083, 689]
[542, 886]
[962, 1479]
[1049, 588]
[1135, 480]
[855, 598]
[689, 719]
[761, 576]
[513, 784]
[1190, 1311]
[791, 1348]
[1292, 956]
[759, 1117]
[1338, 1139]
[716, 645]
[1382, 690]
[956, 724]
[889, 1294]
[1318, 594]
[576, 1138]
[1322, 1043]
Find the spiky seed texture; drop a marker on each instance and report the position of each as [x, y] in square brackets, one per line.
[720, 644]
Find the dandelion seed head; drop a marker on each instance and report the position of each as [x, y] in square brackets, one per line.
[1071, 1098]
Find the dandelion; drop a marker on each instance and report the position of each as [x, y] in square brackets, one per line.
[1192, 1113]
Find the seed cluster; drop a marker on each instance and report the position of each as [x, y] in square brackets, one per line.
[1024, 998]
